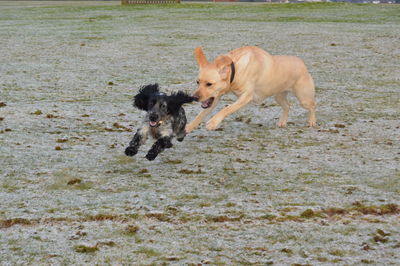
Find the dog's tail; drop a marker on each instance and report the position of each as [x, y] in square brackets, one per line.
[176, 100]
[141, 99]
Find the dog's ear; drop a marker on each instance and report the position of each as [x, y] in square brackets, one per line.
[223, 63]
[176, 100]
[141, 99]
[200, 57]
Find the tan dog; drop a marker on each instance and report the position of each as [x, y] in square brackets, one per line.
[252, 75]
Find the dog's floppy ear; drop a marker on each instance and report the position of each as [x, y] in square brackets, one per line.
[176, 100]
[223, 63]
[141, 100]
[200, 57]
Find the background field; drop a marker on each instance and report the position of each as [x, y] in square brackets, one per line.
[249, 193]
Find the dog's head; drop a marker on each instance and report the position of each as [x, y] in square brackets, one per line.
[159, 105]
[214, 78]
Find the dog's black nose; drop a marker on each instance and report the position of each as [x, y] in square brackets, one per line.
[153, 117]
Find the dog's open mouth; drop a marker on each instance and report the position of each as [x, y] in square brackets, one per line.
[207, 103]
[154, 124]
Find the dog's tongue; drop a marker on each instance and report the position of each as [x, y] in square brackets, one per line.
[153, 124]
[204, 104]
[207, 103]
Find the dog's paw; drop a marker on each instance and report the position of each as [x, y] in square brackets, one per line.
[281, 124]
[212, 124]
[151, 156]
[180, 136]
[168, 145]
[130, 151]
[312, 123]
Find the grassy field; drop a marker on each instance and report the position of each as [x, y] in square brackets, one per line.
[249, 193]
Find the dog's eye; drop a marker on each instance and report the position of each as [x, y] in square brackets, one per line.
[198, 82]
[152, 102]
[209, 84]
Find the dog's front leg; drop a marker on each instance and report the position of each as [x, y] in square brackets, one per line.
[161, 144]
[214, 122]
[138, 139]
[200, 117]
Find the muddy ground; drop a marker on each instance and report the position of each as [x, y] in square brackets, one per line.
[249, 193]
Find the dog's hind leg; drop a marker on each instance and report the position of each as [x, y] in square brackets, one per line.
[305, 92]
[281, 99]
[160, 145]
[178, 125]
[138, 139]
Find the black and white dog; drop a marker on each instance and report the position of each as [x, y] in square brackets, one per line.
[165, 119]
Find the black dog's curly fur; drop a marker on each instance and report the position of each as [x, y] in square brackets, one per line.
[165, 119]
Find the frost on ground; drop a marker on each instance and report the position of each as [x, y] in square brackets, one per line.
[247, 193]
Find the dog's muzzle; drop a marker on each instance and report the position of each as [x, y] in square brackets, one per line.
[153, 120]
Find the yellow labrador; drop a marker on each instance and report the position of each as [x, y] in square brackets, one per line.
[252, 75]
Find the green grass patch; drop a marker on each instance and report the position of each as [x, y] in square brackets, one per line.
[63, 179]
[302, 12]
[149, 252]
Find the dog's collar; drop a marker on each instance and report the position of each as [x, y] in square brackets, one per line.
[232, 71]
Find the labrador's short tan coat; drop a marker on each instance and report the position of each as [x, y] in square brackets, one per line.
[257, 75]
